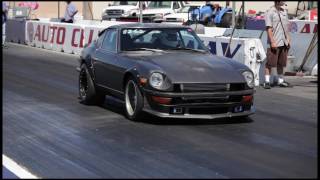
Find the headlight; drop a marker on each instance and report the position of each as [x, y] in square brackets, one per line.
[248, 76]
[159, 81]
[156, 80]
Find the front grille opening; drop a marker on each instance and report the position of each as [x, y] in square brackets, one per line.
[208, 87]
[200, 100]
[237, 86]
[216, 110]
[203, 87]
[226, 99]
[176, 88]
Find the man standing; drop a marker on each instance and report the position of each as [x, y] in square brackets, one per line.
[71, 11]
[276, 20]
[4, 19]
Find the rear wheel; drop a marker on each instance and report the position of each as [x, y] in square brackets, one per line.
[87, 91]
[133, 100]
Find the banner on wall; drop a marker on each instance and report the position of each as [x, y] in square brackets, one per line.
[301, 26]
[69, 38]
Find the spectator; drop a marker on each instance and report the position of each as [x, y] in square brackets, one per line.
[4, 19]
[70, 12]
[276, 20]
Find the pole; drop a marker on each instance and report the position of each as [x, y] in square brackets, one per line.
[58, 9]
[233, 14]
[312, 44]
[140, 9]
[243, 19]
[87, 10]
[225, 53]
[90, 8]
[84, 10]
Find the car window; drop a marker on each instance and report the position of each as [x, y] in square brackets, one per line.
[163, 38]
[117, 3]
[110, 41]
[159, 4]
[100, 39]
[190, 41]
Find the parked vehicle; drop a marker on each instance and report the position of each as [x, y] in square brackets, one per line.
[122, 9]
[180, 16]
[158, 9]
[164, 70]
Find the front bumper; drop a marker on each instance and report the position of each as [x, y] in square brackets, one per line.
[196, 105]
[201, 116]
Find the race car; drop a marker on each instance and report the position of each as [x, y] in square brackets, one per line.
[164, 70]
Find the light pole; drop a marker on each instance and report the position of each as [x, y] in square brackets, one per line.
[140, 9]
[243, 18]
[58, 9]
[233, 13]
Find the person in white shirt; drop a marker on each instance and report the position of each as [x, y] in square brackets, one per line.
[70, 12]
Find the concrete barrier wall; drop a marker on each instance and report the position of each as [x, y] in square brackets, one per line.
[71, 38]
[62, 37]
[15, 30]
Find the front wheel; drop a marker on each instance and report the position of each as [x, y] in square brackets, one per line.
[133, 100]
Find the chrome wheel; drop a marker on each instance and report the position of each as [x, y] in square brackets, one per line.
[131, 97]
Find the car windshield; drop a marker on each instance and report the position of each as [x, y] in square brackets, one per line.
[160, 39]
[159, 4]
[117, 3]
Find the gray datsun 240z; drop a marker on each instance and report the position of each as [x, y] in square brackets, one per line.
[164, 70]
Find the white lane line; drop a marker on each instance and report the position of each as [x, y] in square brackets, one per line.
[16, 169]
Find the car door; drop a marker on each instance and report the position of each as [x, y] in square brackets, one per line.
[105, 61]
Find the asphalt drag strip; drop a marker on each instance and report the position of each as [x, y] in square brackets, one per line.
[48, 131]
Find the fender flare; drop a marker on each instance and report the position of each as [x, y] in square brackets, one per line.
[88, 62]
[130, 72]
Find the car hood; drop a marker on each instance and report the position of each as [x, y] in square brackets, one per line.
[157, 11]
[192, 67]
[177, 15]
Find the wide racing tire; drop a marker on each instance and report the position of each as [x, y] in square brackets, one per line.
[87, 92]
[134, 100]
